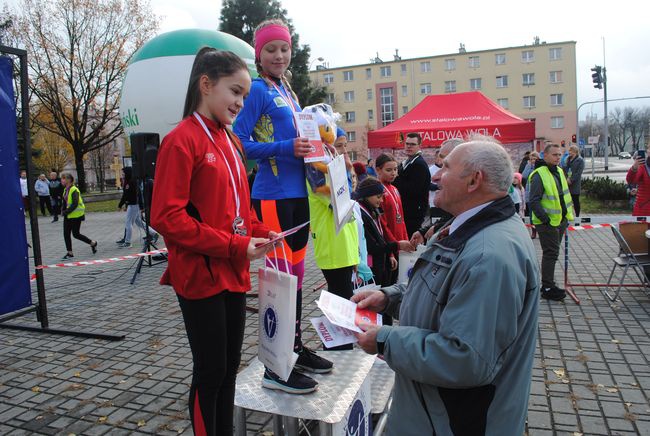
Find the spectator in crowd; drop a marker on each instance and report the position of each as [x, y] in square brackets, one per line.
[524, 162]
[464, 349]
[74, 212]
[639, 175]
[573, 168]
[381, 251]
[551, 211]
[528, 169]
[433, 169]
[56, 192]
[441, 216]
[360, 170]
[413, 182]
[25, 192]
[42, 188]
[518, 195]
[371, 168]
[131, 204]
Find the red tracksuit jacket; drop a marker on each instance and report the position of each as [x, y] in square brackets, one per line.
[394, 231]
[193, 207]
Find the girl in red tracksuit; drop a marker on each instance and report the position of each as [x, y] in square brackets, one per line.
[393, 217]
[201, 206]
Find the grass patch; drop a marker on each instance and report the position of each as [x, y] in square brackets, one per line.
[595, 206]
[102, 206]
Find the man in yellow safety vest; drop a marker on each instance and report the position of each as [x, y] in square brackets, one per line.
[552, 209]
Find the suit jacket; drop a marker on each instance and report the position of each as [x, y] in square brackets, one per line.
[413, 182]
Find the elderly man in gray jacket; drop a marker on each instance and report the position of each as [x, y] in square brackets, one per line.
[463, 352]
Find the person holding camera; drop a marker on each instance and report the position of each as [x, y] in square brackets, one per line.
[639, 175]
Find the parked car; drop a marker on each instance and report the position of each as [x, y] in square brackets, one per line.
[624, 155]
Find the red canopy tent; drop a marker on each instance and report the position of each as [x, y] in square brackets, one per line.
[441, 117]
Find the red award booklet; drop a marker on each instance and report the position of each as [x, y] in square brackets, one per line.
[308, 128]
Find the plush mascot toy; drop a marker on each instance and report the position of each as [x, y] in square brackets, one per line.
[316, 171]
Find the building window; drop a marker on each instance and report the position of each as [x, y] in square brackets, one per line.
[405, 91]
[368, 73]
[371, 115]
[330, 98]
[369, 94]
[425, 67]
[528, 79]
[385, 71]
[328, 78]
[557, 99]
[352, 136]
[503, 102]
[350, 117]
[349, 96]
[475, 84]
[555, 54]
[500, 58]
[450, 64]
[557, 122]
[425, 88]
[527, 56]
[387, 105]
[405, 110]
[348, 76]
[353, 154]
[502, 81]
[529, 101]
[450, 86]
[474, 62]
[403, 69]
[555, 77]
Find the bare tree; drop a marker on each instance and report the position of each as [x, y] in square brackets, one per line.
[78, 54]
[628, 127]
[100, 160]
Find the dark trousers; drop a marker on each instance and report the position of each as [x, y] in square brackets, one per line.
[56, 205]
[44, 201]
[413, 225]
[339, 282]
[73, 226]
[576, 203]
[215, 331]
[550, 239]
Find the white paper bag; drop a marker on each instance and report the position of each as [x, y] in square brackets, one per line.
[407, 262]
[340, 198]
[277, 320]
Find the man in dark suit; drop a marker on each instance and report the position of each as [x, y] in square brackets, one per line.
[413, 182]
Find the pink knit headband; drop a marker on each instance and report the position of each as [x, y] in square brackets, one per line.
[273, 32]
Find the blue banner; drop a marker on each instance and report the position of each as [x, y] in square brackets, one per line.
[15, 292]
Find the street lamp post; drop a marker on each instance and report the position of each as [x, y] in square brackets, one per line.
[319, 59]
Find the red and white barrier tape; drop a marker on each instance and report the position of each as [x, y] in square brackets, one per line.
[101, 261]
[584, 226]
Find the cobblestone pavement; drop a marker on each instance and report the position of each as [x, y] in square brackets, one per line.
[591, 372]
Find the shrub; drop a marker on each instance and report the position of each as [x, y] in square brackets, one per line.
[604, 188]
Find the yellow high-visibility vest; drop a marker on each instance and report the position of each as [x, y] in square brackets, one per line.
[551, 197]
[80, 210]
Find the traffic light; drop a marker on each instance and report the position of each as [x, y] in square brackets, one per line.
[573, 138]
[597, 77]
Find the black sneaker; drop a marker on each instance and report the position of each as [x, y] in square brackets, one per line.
[120, 242]
[67, 256]
[297, 384]
[312, 362]
[554, 293]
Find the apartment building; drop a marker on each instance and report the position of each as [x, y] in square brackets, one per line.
[535, 82]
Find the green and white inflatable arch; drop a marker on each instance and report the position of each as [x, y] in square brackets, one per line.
[153, 92]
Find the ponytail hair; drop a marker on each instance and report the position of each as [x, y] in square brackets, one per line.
[212, 63]
[383, 159]
[285, 79]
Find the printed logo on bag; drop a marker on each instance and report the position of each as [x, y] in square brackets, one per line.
[210, 157]
[270, 322]
[357, 421]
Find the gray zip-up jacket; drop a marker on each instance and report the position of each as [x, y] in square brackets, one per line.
[463, 352]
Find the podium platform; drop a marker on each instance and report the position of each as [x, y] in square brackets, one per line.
[328, 405]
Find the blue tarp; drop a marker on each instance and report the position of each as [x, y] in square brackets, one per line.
[15, 290]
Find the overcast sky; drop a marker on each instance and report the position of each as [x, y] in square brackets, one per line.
[346, 32]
